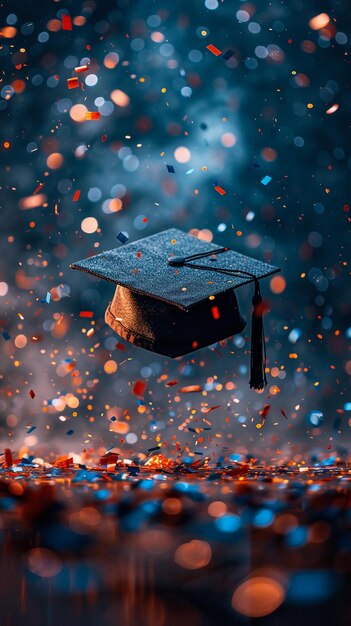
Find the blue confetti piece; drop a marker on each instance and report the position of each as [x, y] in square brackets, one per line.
[265, 180]
[170, 169]
[113, 418]
[5, 335]
[70, 432]
[30, 429]
[190, 171]
[48, 297]
[228, 55]
[122, 237]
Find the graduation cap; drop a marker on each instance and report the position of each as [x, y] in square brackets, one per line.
[176, 293]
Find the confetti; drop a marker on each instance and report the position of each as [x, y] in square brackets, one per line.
[228, 55]
[213, 49]
[332, 109]
[72, 83]
[122, 237]
[76, 195]
[190, 389]
[66, 22]
[220, 190]
[266, 179]
[37, 189]
[32, 394]
[81, 68]
[92, 115]
[139, 388]
[170, 169]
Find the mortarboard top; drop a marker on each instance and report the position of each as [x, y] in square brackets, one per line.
[176, 292]
[143, 267]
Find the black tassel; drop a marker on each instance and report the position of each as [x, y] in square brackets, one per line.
[258, 348]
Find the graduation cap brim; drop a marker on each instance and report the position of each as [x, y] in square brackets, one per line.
[143, 267]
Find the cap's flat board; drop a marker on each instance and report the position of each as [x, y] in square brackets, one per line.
[143, 267]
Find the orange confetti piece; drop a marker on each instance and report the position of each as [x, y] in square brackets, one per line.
[214, 50]
[190, 389]
[72, 83]
[92, 115]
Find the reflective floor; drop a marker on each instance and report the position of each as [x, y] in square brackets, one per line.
[217, 546]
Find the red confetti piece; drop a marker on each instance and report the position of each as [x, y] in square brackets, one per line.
[107, 459]
[32, 394]
[86, 314]
[139, 388]
[220, 190]
[103, 138]
[190, 389]
[212, 408]
[65, 463]
[120, 346]
[265, 411]
[214, 50]
[215, 313]
[66, 22]
[171, 383]
[81, 68]
[76, 195]
[8, 457]
[145, 220]
[92, 115]
[72, 83]
[40, 186]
